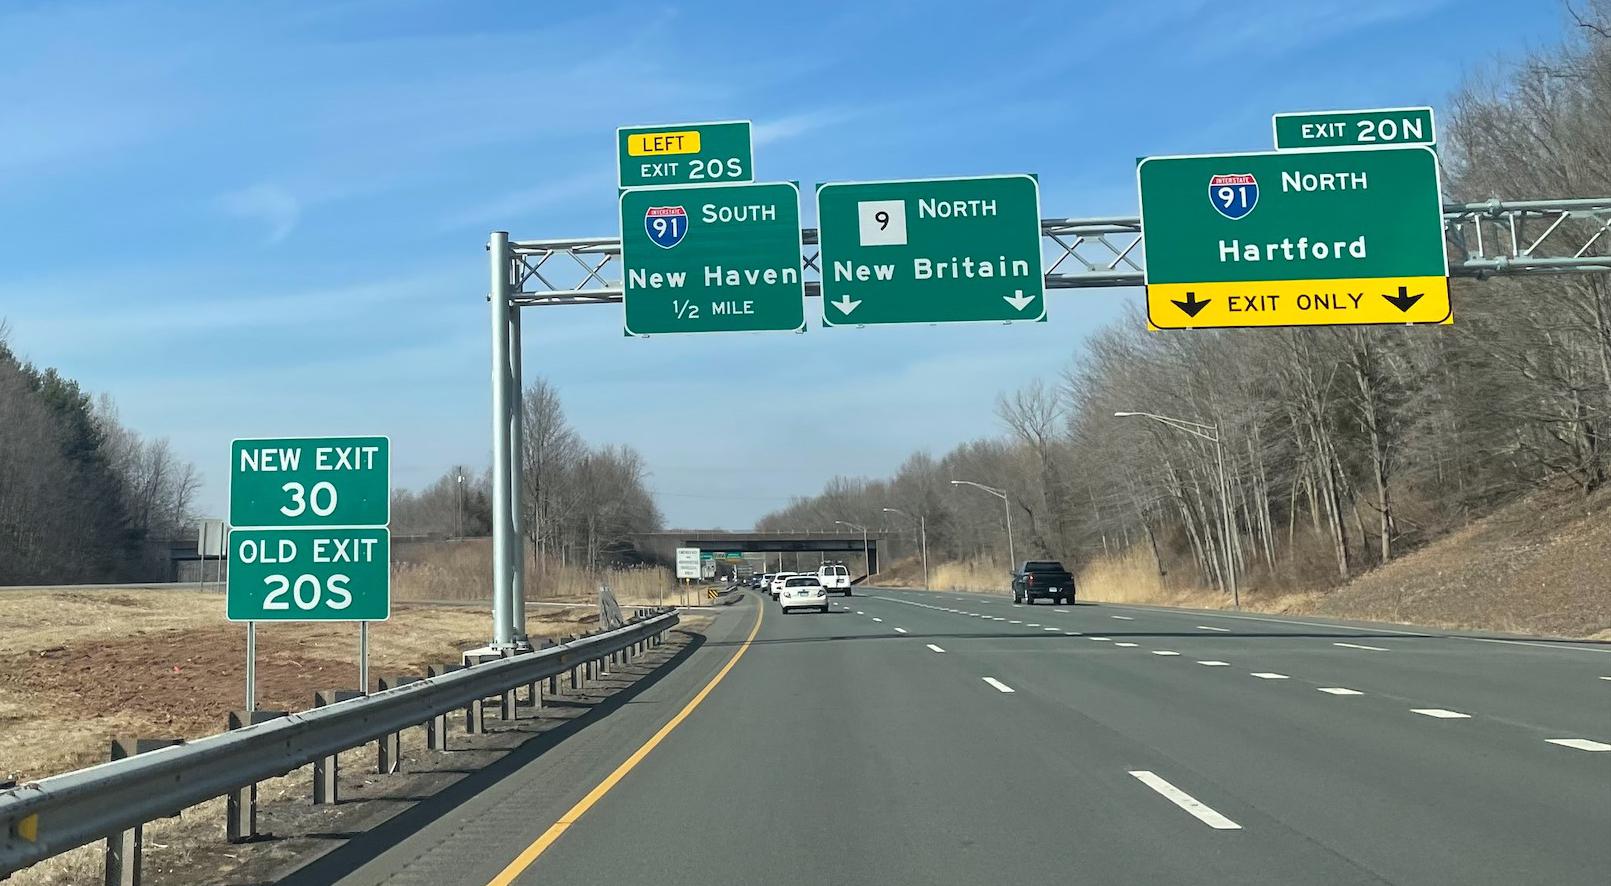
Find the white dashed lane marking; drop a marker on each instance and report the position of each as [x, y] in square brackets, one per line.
[934, 648]
[1060, 610]
[900, 630]
[1032, 625]
[1265, 675]
[1338, 690]
[1360, 646]
[1000, 686]
[859, 612]
[1582, 744]
[1198, 809]
[1103, 639]
[1122, 617]
[1049, 629]
[1212, 628]
[1215, 664]
[1163, 652]
[876, 618]
[1015, 622]
[1127, 645]
[1441, 714]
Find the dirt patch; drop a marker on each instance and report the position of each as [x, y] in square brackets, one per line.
[78, 669]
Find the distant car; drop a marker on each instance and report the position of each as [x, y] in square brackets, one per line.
[803, 592]
[756, 581]
[1042, 578]
[778, 578]
[835, 578]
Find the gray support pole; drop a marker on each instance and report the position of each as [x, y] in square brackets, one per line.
[1225, 510]
[251, 666]
[923, 529]
[1012, 556]
[363, 657]
[517, 467]
[502, 479]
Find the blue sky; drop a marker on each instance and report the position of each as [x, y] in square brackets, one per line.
[268, 218]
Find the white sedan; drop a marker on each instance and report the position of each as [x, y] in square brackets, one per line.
[802, 592]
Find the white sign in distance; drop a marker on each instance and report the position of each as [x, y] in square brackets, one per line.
[688, 563]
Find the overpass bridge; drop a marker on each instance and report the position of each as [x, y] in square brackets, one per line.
[663, 545]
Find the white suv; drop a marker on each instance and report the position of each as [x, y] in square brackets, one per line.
[835, 578]
[776, 585]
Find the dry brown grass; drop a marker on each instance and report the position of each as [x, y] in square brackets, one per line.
[977, 576]
[462, 570]
[79, 668]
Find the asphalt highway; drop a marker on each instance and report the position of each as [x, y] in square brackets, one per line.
[934, 738]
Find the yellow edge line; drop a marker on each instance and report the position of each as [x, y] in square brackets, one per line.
[540, 845]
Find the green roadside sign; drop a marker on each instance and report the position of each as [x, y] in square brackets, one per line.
[1379, 127]
[948, 250]
[310, 481]
[712, 258]
[684, 154]
[1300, 238]
[309, 538]
[309, 575]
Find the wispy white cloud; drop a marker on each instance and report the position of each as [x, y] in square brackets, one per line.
[1280, 26]
[782, 129]
[275, 207]
[515, 205]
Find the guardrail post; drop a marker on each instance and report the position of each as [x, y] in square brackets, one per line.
[123, 849]
[436, 727]
[389, 748]
[240, 805]
[325, 769]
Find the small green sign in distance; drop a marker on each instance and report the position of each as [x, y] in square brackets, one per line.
[684, 154]
[946, 250]
[310, 481]
[309, 575]
[1299, 238]
[1381, 127]
[712, 258]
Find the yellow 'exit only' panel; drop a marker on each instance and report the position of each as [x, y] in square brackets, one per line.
[1348, 302]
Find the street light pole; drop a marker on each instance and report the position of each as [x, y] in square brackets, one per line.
[866, 557]
[1211, 434]
[1012, 557]
[923, 531]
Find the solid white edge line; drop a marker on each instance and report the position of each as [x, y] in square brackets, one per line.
[1000, 686]
[1197, 808]
[1440, 713]
[935, 648]
[1582, 744]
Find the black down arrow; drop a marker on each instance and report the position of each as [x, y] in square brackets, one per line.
[1191, 305]
[1403, 301]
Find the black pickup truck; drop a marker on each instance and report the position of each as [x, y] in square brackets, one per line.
[1042, 578]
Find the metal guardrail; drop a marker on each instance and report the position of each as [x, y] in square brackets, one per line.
[62, 812]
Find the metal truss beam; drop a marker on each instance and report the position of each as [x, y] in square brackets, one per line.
[1482, 239]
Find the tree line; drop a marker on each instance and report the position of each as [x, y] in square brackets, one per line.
[580, 504]
[1343, 448]
[82, 497]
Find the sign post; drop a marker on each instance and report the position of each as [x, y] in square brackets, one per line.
[714, 258]
[947, 250]
[309, 539]
[1303, 238]
[1380, 127]
[688, 562]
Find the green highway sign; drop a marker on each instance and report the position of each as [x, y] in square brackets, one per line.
[1354, 129]
[712, 258]
[944, 250]
[1301, 238]
[309, 575]
[310, 481]
[684, 154]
